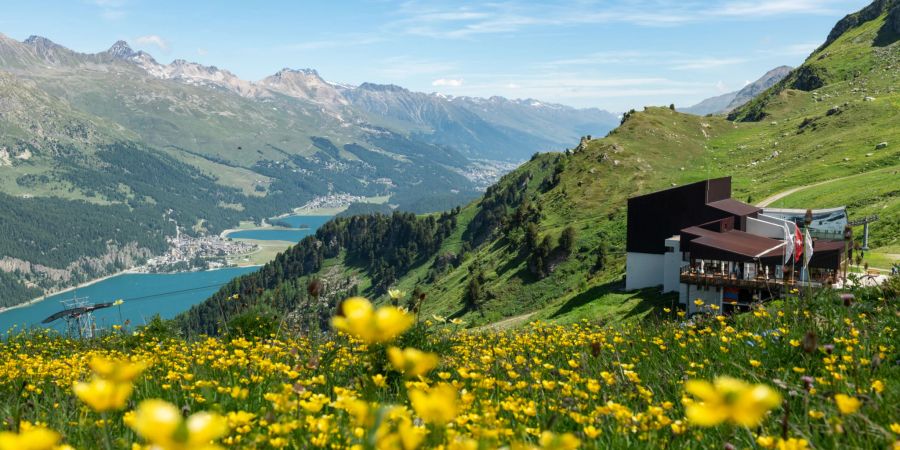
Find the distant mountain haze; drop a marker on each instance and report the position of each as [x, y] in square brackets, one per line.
[725, 103]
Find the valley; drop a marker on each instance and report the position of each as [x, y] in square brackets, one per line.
[196, 259]
[117, 135]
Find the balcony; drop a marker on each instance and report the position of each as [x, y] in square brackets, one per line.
[694, 277]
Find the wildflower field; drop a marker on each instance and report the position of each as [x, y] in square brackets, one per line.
[804, 372]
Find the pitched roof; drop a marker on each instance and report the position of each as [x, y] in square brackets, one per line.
[735, 207]
[741, 243]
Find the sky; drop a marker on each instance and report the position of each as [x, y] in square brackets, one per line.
[613, 54]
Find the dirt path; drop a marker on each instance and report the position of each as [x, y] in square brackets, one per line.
[506, 323]
[774, 198]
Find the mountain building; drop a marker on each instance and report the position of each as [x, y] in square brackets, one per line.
[698, 241]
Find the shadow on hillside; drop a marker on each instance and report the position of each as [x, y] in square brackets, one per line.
[587, 296]
[886, 35]
[650, 298]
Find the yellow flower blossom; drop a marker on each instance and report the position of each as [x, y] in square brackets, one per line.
[412, 362]
[361, 320]
[728, 399]
[437, 405]
[103, 395]
[553, 441]
[29, 438]
[847, 404]
[161, 424]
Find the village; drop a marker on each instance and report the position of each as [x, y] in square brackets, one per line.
[195, 253]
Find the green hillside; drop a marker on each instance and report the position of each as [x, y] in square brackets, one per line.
[506, 259]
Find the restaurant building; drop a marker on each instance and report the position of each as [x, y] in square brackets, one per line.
[698, 241]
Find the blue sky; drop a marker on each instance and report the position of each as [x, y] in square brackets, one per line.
[609, 54]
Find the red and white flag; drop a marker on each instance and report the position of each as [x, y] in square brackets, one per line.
[808, 250]
[788, 243]
[798, 244]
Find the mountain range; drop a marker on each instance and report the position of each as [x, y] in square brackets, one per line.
[725, 103]
[117, 134]
[546, 242]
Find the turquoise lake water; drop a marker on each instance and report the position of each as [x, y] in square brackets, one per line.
[146, 295]
[309, 223]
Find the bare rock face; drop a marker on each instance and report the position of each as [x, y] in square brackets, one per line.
[893, 19]
[870, 12]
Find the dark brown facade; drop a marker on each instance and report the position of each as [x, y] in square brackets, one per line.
[654, 217]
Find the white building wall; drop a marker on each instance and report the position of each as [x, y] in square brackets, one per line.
[711, 295]
[765, 229]
[643, 270]
[672, 264]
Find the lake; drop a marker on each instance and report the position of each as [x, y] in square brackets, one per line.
[145, 295]
[309, 223]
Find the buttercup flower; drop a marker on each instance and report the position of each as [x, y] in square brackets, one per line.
[361, 320]
[160, 423]
[30, 438]
[437, 405]
[728, 399]
[847, 404]
[103, 395]
[412, 362]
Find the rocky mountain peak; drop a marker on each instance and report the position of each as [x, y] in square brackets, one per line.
[41, 42]
[382, 87]
[121, 50]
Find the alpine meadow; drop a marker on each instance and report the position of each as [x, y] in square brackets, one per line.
[455, 269]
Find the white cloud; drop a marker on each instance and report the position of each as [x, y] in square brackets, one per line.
[705, 63]
[153, 39]
[202, 52]
[721, 87]
[438, 20]
[767, 8]
[335, 42]
[450, 82]
[110, 9]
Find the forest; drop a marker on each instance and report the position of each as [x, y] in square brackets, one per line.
[384, 247]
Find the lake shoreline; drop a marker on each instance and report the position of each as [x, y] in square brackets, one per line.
[130, 271]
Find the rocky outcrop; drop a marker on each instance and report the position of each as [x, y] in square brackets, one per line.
[871, 12]
[809, 78]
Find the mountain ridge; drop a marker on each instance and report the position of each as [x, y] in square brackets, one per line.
[727, 102]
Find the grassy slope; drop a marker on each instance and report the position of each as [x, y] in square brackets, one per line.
[657, 148]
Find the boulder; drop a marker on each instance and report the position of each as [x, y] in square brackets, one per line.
[881, 145]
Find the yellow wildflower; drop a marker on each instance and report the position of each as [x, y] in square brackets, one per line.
[847, 404]
[29, 438]
[728, 399]
[792, 444]
[437, 405]
[103, 395]
[412, 362]
[119, 371]
[552, 441]
[160, 423]
[362, 320]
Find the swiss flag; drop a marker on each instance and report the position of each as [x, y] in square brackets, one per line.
[798, 244]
